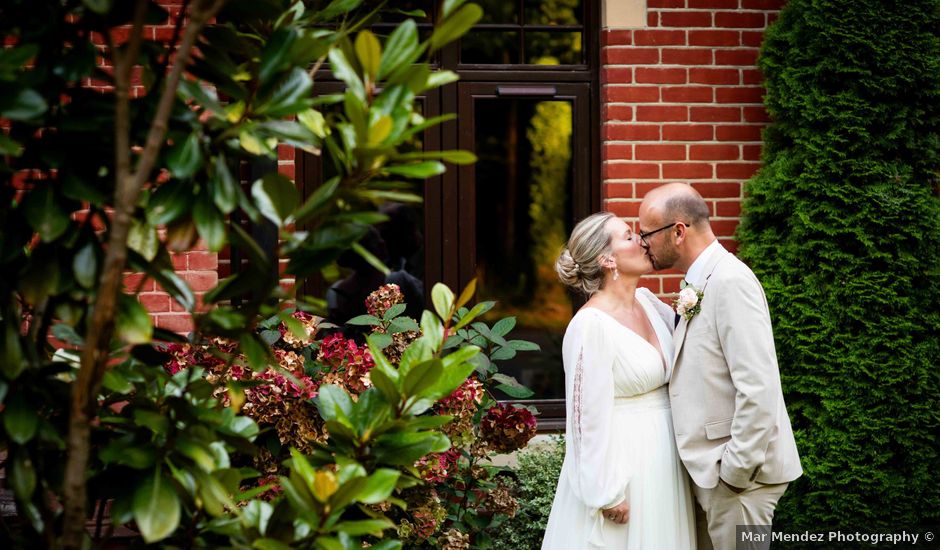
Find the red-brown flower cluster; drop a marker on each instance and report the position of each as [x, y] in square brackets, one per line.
[282, 400]
[506, 428]
[348, 364]
[311, 325]
[378, 302]
[462, 404]
[437, 467]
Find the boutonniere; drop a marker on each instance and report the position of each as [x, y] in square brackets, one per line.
[689, 302]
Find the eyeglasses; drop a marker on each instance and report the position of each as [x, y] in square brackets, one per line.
[645, 236]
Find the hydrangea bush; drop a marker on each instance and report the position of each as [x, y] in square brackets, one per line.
[462, 498]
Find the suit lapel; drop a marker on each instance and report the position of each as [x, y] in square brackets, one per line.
[679, 334]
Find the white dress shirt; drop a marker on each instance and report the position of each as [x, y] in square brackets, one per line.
[695, 276]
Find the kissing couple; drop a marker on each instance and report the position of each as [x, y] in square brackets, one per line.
[662, 405]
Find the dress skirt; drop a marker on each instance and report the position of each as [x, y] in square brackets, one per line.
[661, 513]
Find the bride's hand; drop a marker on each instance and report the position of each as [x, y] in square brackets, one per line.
[619, 513]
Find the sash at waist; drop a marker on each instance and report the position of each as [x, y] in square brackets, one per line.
[655, 399]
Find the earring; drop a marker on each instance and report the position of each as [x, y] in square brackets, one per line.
[615, 272]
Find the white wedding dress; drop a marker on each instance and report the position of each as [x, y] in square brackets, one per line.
[619, 439]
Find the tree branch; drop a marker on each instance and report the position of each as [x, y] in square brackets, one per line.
[128, 187]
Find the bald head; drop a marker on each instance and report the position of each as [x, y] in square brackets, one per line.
[678, 202]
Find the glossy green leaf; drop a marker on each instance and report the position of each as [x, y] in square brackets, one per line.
[314, 121]
[276, 197]
[334, 403]
[22, 475]
[369, 52]
[421, 377]
[45, 213]
[170, 201]
[454, 157]
[203, 95]
[223, 187]
[503, 326]
[289, 97]
[401, 50]
[133, 323]
[12, 361]
[343, 70]
[85, 266]
[443, 299]
[319, 200]
[403, 324]
[19, 418]
[100, 7]
[185, 158]
[10, 147]
[467, 294]
[156, 508]
[370, 258]
[523, 345]
[209, 223]
[337, 8]
[449, 6]
[25, 105]
[143, 239]
[455, 25]
[474, 312]
[418, 170]
[276, 54]
[365, 320]
[452, 377]
[157, 422]
[511, 387]
[385, 385]
[440, 78]
[363, 527]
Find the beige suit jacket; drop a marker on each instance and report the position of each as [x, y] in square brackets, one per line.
[727, 404]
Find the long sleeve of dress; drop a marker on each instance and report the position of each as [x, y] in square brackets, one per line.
[589, 359]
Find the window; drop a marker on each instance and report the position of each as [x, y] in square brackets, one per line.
[527, 105]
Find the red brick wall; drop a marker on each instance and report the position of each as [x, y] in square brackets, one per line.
[682, 102]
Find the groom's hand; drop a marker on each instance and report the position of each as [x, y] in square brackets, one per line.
[732, 488]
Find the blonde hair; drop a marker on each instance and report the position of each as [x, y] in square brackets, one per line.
[578, 266]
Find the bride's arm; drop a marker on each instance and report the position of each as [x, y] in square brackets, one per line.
[596, 482]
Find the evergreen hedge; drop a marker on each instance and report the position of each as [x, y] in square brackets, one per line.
[842, 226]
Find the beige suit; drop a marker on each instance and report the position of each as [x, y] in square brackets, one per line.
[727, 404]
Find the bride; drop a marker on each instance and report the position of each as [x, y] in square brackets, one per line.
[622, 485]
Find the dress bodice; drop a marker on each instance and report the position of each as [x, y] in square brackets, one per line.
[638, 367]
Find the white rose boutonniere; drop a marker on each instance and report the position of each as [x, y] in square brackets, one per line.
[689, 302]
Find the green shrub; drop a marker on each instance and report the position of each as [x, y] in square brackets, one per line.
[536, 478]
[842, 225]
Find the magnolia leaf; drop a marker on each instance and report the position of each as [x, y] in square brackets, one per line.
[184, 159]
[369, 52]
[443, 299]
[276, 197]
[133, 323]
[455, 25]
[156, 508]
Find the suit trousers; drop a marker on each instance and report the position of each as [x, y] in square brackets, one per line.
[725, 510]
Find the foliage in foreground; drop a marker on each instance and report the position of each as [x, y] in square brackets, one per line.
[454, 498]
[94, 182]
[842, 225]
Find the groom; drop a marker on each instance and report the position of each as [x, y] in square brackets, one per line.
[731, 425]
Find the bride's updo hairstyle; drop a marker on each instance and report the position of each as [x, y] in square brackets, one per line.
[578, 266]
